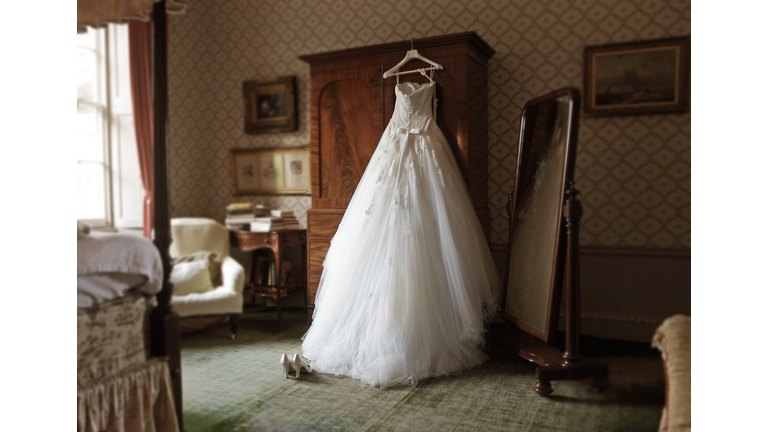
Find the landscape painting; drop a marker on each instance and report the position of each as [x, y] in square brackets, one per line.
[638, 78]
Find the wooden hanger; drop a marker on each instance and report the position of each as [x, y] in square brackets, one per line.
[412, 54]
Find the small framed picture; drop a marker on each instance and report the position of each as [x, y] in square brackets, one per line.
[270, 106]
[649, 77]
[271, 171]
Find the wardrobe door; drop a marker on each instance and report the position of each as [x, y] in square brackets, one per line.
[347, 123]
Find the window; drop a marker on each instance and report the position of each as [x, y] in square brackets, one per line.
[92, 168]
[110, 192]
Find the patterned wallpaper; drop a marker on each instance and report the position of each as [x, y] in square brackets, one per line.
[634, 172]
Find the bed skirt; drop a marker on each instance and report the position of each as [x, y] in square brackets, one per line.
[138, 399]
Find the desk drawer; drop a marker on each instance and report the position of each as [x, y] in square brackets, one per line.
[323, 225]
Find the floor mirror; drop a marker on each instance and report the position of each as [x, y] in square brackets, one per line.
[543, 249]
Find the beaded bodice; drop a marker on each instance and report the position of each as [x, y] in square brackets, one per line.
[414, 105]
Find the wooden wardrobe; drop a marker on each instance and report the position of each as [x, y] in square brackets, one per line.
[351, 104]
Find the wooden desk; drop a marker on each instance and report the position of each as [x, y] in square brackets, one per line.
[278, 241]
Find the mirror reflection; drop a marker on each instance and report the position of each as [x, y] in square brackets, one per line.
[534, 249]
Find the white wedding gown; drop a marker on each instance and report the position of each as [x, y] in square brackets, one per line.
[408, 279]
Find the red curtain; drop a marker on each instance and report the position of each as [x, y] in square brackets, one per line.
[140, 52]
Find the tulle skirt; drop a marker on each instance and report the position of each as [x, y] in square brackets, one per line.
[408, 280]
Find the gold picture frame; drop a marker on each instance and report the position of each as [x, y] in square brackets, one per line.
[270, 106]
[271, 171]
[648, 77]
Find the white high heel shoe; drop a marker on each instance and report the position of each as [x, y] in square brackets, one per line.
[299, 364]
[287, 365]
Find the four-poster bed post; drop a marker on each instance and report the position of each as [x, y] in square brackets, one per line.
[164, 319]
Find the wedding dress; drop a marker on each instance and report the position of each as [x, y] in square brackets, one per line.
[408, 280]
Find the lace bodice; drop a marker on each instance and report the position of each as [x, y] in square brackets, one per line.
[413, 108]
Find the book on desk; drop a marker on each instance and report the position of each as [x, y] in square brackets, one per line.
[278, 220]
[241, 215]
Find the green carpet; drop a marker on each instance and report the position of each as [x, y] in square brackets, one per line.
[238, 385]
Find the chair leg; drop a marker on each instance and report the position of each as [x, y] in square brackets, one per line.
[233, 324]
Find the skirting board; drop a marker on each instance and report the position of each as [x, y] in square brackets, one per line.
[616, 327]
[627, 294]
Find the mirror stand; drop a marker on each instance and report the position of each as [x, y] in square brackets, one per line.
[568, 365]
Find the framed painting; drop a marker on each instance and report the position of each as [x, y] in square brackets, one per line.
[270, 106]
[271, 171]
[649, 77]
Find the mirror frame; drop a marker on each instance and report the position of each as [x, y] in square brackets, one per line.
[558, 260]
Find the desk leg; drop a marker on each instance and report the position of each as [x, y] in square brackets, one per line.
[253, 275]
[279, 277]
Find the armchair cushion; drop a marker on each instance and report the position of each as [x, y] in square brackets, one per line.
[214, 266]
[224, 299]
[191, 277]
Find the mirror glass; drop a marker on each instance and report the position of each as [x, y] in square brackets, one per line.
[536, 246]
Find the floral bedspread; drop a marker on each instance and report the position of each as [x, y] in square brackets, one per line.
[110, 337]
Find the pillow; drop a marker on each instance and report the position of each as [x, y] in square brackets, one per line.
[214, 267]
[673, 339]
[191, 277]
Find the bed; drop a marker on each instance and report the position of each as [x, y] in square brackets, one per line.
[121, 385]
[129, 364]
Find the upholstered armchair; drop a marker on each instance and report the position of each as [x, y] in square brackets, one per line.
[201, 304]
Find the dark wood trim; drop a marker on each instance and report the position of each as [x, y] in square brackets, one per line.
[523, 326]
[471, 39]
[530, 348]
[594, 250]
[636, 252]
[510, 215]
[234, 324]
[619, 317]
[572, 213]
[164, 321]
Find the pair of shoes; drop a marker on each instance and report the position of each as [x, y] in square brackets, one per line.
[296, 364]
